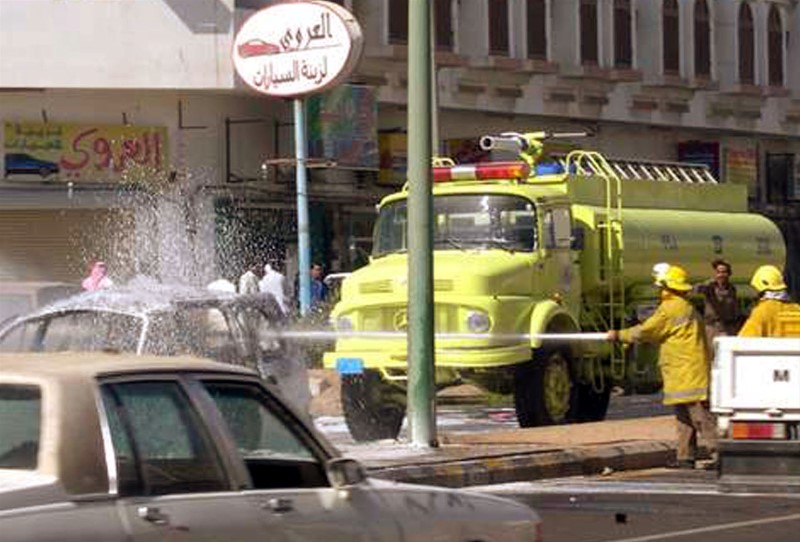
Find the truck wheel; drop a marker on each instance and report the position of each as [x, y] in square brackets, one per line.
[373, 408]
[544, 389]
[592, 406]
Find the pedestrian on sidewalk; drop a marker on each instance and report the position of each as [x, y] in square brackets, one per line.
[319, 290]
[274, 283]
[683, 358]
[248, 282]
[98, 278]
[721, 314]
[772, 314]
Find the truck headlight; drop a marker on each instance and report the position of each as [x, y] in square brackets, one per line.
[477, 322]
[344, 323]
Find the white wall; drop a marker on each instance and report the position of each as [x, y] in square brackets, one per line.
[116, 43]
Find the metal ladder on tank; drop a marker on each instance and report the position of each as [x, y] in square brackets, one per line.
[611, 269]
[648, 170]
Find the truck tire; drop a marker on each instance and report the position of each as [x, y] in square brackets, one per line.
[544, 389]
[592, 406]
[373, 408]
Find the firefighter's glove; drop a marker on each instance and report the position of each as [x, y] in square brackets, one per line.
[613, 335]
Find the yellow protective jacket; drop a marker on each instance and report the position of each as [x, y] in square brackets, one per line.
[765, 316]
[683, 357]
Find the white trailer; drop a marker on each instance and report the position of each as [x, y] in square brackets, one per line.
[755, 394]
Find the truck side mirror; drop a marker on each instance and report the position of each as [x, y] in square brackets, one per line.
[577, 239]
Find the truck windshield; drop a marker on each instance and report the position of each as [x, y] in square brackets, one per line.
[461, 222]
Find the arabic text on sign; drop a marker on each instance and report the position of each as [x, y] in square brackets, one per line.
[88, 149]
[270, 76]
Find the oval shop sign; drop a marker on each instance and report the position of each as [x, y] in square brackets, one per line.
[297, 48]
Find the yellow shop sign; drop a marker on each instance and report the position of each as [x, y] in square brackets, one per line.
[83, 153]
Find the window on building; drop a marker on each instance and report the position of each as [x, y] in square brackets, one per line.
[780, 177]
[623, 51]
[775, 31]
[398, 22]
[498, 27]
[671, 38]
[702, 39]
[746, 45]
[537, 29]
[443, 21]
[588, 32]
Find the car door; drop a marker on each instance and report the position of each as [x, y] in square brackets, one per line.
[287, 468]
[171, 479]
[25, 517]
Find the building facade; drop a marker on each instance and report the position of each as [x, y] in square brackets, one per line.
[131, 138]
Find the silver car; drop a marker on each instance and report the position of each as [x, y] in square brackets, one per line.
[117, 447]
[166, 320]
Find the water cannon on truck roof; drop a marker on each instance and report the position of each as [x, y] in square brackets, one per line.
[529, 146]
[523, 250]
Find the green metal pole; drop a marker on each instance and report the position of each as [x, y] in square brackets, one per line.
[421, 385]
[434, 86]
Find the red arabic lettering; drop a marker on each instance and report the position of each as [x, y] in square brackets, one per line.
[102, 149]
[142, 149]
[67, 163]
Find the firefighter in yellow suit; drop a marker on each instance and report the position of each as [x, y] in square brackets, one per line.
[683, 359]
[773, 314]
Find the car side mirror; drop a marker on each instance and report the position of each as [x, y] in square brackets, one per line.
[345, 472]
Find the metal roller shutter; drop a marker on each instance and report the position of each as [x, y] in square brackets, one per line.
[59, 245]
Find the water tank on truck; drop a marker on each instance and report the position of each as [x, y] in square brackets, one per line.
[527, 253]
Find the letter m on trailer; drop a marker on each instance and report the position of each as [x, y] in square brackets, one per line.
[780, 375]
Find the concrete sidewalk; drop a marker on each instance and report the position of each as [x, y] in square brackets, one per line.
[512, 455]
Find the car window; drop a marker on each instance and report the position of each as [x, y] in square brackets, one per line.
[273, 449]
[12, 305]
[159, 442]
[92, 331]
[198, 331]
[20, 419]
[259, 332]
[21, 338]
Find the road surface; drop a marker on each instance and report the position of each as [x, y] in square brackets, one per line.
[654, 505]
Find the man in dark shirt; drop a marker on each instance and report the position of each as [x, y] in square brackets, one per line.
[721, 312]
[319, 290]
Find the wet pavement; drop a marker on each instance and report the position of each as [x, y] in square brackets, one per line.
[481, 445]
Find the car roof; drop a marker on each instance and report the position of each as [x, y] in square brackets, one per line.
[14, 287]
[69, 365]
[137, 300]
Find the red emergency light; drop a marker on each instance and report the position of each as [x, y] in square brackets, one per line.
[481, 171]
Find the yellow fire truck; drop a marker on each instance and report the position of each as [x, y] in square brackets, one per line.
[539, 245]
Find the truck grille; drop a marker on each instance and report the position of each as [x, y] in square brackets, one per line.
[376, 287]
[385, 286]
[445, 319]
[443, 285]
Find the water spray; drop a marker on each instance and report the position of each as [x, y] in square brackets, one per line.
[335, 335]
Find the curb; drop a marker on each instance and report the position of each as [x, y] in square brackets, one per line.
[521, 467]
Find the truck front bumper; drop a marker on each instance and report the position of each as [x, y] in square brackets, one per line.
[467, 358]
